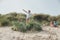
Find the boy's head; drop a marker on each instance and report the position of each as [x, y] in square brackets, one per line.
[29, 11]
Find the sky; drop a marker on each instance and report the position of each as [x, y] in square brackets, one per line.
[51, 7]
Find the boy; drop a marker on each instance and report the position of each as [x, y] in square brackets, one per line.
[28, 15]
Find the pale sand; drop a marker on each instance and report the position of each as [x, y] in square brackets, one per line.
[48, 33]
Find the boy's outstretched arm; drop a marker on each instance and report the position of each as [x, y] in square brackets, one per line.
[25, 11]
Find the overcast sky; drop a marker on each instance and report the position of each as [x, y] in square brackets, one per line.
[36, 6]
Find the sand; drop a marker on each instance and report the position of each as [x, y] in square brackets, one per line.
[48, 33]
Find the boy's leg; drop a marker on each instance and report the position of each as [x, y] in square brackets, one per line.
[27, 20]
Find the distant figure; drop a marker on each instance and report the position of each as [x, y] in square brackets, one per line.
[51, 23]
[28, 15]
[55, 24]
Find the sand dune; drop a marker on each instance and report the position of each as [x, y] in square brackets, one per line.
[48, 33]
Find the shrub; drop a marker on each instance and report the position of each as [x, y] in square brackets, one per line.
[29, 27]
[41, 17]
[35, 26]
[22, 19]
[5, 23]
[22, 27]
[12, 18]
[19, 26]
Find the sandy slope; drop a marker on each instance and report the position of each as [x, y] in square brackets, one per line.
[48, 33]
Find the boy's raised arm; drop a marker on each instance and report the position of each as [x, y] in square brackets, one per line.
[25, 11]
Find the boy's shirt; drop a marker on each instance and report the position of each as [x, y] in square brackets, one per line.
[28, 15]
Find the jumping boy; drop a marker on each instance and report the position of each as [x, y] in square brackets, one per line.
[28, 15]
